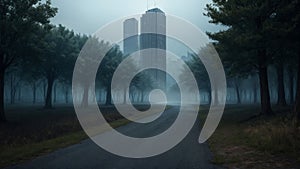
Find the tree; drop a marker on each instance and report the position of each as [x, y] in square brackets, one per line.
[235, 82]
[291, 76]
[129, 67]
[280, 78]
[30, 75]
[18, 20]
[286, 33]
[59, 58]
[65, 77]
[93, 49]
[57, 52]
[290, 29]
[15, 81]
[200, 73]
[107, 68]
[144, 83]
[246, 39]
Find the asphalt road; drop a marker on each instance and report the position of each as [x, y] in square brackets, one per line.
[189, 154]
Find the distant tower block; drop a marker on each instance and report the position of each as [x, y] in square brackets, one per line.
[153, 35]
[131, 37]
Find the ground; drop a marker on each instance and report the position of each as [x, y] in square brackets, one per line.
[245, 140]
[242, 140]
[188, 154]
[32, 131]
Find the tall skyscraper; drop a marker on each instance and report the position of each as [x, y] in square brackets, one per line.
[131, 37]
[153, 35]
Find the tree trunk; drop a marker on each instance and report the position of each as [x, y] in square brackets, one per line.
[67, 95]
[291, 88]
[108, 95]
[85, 99]
[142, 96]
[2, 113]
[281, 93]
[297, 103]
[209, 92]
[44, 89]
[34, 93]
[237, 91]
[20, 94]
[100, 95]
[134, 99]
[48, 103]
[139, 98]
[255, 100]
[12, 90]
[54, 92]
[264, 85]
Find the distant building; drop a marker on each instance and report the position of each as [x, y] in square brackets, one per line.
[131, 37]
[153, 35]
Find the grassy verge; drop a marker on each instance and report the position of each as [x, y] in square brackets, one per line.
[14, 154]
[10, 155]
[32, 132]
[242, 141]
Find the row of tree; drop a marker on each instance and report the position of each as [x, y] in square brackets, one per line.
[37, 54]
[258, 34]
[20, 22]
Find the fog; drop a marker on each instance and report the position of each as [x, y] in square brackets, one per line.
[85, 17]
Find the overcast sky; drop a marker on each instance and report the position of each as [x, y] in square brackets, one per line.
[87, 16]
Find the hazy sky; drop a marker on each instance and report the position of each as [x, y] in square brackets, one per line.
[87, 16]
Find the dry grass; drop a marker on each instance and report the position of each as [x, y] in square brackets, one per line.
[276, 136]
[260, 143]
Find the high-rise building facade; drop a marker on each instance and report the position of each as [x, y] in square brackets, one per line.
[153, 36]
[131, 37]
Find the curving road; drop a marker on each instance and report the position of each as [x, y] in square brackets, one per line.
[189, 154]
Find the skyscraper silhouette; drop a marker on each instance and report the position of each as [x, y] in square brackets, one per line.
[131, 37]
[153, 36]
